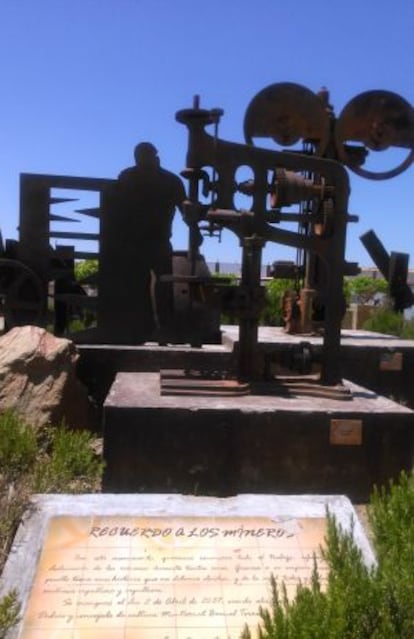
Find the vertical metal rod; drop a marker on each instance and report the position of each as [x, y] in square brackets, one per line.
[249, 320]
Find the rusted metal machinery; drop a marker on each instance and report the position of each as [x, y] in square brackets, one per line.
[393, 268]
[371, 122]
[31, 270]
[315, 179]
[276, 183]
[311, 176]
[37, 281]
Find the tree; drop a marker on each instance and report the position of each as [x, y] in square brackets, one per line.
[364, 289]
[85, 269]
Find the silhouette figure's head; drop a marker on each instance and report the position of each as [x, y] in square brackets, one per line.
[146, 155]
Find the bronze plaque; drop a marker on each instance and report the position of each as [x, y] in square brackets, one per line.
[165, 578]
[391, 361]
[346, 432]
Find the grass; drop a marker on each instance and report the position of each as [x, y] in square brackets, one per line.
[51, 459]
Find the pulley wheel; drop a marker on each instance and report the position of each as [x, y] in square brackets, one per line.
[287, 113]
[379, 120]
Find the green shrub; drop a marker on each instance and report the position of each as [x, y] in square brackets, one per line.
[14, 499]
[358, 602]
[363, 289]
[9, 613]
[85, 269]
[71, 463]
[408, 329]
[40, 460]
[386, 321]
[272, 314]
[391, 515]
[347, 605]
[18, 446]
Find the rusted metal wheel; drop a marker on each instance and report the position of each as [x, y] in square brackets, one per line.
[287, 113]
[379, 120]
[22, 294]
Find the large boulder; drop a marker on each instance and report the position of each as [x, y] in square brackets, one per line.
[38, 379]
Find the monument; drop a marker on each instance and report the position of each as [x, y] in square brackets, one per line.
[187, 425]
[134, 222]
[257, 419]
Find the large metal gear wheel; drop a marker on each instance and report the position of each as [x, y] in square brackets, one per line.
[22, 294]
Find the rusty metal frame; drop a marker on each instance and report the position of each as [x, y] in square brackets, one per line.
[253, 230]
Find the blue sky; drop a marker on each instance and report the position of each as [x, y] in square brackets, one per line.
[84, 80]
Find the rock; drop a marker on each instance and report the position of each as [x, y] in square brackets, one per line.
[38, 379]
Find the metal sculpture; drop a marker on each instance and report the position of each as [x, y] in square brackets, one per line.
[379, 120]
[393, 268]
[312, 177]
[315, 179]
[371, 122]
[275, 176]
[38, 285]
[30, 266]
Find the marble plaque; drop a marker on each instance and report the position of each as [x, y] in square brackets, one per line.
[173, 567]
[179, 578]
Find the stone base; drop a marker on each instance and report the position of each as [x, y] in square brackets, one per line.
[382, 363]
[261, 444]
[99, 363]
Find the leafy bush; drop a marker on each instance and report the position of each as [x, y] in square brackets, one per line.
[40, 460]
[387, 321]
[72, 463]
[32, 460]
[272, 314]
[363, 289]
[392, 521]
[408, 329]
[337, 612]
[358, 602]
[85, 269]
[9, 613]
[18, 446]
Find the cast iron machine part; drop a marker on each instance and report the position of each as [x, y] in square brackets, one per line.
[255, 227]
[371, 122]
[393, 268]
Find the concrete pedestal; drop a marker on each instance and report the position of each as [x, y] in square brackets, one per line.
[382, 363]
[262, 444]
